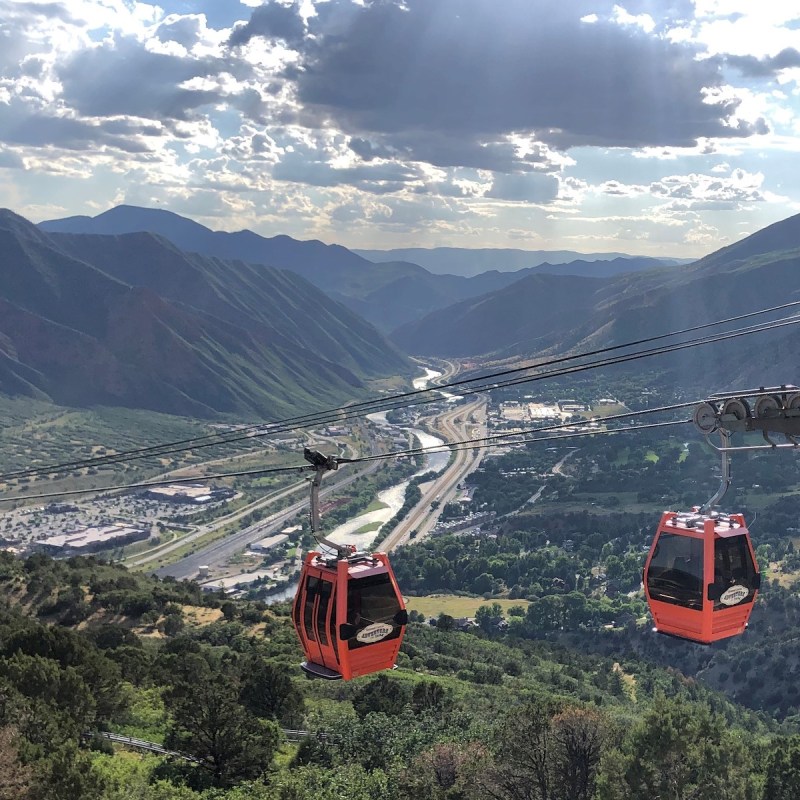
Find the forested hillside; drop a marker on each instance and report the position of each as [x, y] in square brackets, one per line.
[86, 647]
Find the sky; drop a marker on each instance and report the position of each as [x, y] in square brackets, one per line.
[652, 127]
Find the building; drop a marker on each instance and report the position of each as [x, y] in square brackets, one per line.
[194, 494]
[90, 540]
[268, 543]
[60, 508]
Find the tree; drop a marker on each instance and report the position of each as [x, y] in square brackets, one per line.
[268, 692]
[65, 773]
[349, 781]
[783, 770]
[209, 723]
[679, 750]
[173, 624]
[489, 617]
[483, 583]
[444, 772]
[15, 779]
[578, 736]
[445, 622]
[428, 695]
[522, 769]
[381, 695]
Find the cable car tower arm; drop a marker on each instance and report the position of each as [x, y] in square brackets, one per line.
[322, 464]
[725, 478]
[773, 410]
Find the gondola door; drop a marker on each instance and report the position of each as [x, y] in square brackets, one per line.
[314, 617]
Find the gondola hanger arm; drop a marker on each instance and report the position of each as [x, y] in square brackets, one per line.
[321, 464]
[725, 467]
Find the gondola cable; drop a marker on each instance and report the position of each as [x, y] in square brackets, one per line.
[380, 404]
[300, 468]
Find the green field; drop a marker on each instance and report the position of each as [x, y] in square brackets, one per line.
[455, 606]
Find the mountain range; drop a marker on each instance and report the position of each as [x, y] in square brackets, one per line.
[470, 262]
[132, 320]
[497, 315]
[564, 313]
[388, 294]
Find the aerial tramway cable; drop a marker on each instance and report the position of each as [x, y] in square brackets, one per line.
[469, 444]
[461, 387]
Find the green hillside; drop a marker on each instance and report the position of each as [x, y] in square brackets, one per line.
[89, 647]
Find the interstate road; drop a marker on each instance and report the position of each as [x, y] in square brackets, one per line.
[454, 425]
[160, 551]
[218, 552]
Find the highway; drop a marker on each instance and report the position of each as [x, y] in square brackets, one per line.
[220, 551]
[454, 426]
[155, 553]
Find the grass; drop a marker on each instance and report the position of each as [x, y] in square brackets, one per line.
[199, 615]
[651, 456]
[605, 410]
[435, 604]
[375, 505]
[370, 526]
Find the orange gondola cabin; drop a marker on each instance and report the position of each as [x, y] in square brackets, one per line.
[349, 615]
[701, 578]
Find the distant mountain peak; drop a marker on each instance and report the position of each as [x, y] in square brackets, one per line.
[129, 318]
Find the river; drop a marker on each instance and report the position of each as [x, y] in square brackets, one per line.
[393, 497]
[423, 381]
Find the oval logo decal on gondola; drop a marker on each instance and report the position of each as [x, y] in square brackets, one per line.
[374, 632]
[734, 595]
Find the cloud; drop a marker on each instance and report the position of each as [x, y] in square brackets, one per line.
[459, 70]
[769, 66]
[21, 124]
[125, 78]
[273, 20]
[184, 30]
[711, 192]
[531, 188]
[618, 189]
[304, 165]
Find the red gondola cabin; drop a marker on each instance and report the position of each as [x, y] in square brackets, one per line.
[349, 615]
[701, 577]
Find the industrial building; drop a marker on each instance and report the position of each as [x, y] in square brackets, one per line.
[194, 493]
[264, 545]
[90, 540]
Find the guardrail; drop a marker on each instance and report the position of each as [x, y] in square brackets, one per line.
[141, 744]
[291, 734]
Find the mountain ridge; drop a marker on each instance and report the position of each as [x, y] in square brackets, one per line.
[132, 320]
[389, 294]
[473, 261]
[738, 279]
